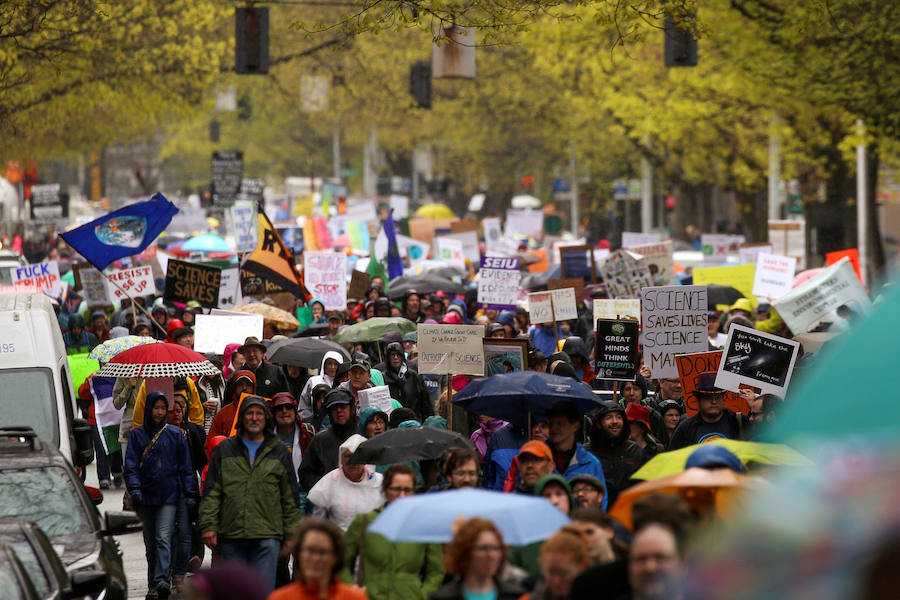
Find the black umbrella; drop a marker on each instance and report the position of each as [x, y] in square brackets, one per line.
[303, 352]
[426, 283]
[721, 294]
[538, 281]
[447, 272]
[312, 330]
[407, 443]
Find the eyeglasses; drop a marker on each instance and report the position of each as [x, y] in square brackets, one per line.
[284, 407]
[401, 490]
[585, 489]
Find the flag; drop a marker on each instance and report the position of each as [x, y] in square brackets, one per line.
[375, 269]
[107, 415]
[395, 263]
[122, 233]
[271, 261]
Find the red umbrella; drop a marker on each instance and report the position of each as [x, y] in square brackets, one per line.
[157, 360]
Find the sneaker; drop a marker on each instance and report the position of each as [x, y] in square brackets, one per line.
[104, 485]
[117, 481]
[163, 591]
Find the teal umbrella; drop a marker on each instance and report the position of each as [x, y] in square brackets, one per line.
[374, 329]
[849, 390]
[108, 349]
[208, 242]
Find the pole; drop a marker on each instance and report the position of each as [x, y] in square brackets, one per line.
[646, 195]
[449, 402]
[336, 149]
[862, 206]
[774, 173]
[133, 303]
[573, 189]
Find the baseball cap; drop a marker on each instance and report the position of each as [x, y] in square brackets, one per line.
[337, 397]
[283, 398]
[536, 448]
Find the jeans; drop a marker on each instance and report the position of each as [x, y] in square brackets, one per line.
[260, 555]
[104, 461]
[159, 529]
[182, 540]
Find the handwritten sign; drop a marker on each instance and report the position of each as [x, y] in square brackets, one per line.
[326, 278]
[625, 274]
[674, 322]
[740, 277]
[774, 275]
[759, 359]
[498, 282]
[715, 247]
[658, 258]
[450, 250]
[493, 235]
[527, 223]
[451, 349]
[137, 281]
[576, 283]
[376, 397]
[93, 287]
[619, 309]
[689, 368]
[540, 307]
[788, 238]
[186, 281]
[42, 276]
[213, 332]
[230, 288]
[245, 225]
[564, 306]
[617, 350]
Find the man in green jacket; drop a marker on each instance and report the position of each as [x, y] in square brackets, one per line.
[251, 499]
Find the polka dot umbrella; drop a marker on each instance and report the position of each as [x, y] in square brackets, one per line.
[157, 360]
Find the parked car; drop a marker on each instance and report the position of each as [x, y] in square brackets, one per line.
[9, 258]
[14, 581]
[38, 483]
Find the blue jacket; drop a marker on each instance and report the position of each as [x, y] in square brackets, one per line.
[166, 475]
[585, 462]
[543, 339]
[501, 450]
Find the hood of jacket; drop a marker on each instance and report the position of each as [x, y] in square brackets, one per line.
[247, 403]
[334, 355]
[366, 415]
[600, 438]
[149, 424]
[575, 346]
[554, 478]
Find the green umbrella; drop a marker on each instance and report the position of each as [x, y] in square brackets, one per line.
[849, 390]
[374, 329]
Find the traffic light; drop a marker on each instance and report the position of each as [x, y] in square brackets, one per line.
[681, 45]
[420, 84]
[251, 40]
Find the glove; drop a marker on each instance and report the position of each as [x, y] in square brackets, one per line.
[190, 502]
[137, 497]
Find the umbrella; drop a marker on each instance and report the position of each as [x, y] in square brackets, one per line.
[721, 294]
[303, 352]
[705, 490]
[158, 360]
[534, 281]
[272, 315]
[208, 242]
[515, 397]
[435, 211]
[525, 201]
[802, 276]
[110, 348]
[442, 269]
[312, 330]
[426, 283]
[374, 329]
[429, 518]
[670, 463]
[407, 443]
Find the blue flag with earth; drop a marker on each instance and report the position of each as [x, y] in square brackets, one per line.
[122, 233]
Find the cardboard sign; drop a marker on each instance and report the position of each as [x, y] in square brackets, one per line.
[749, 252]
[378, 397]
[673, 322]
[41, 276]
[359, 283]
[759, 359]
[245, 225]
[230, 288]
[658, 258]
[740, 277]
[630, 239]
[851, 253]
[423, 229]
[493, 235]
[689, 368]
[808, 303]
[450, 250]
[788, 238]
[774, 275]
[564, 307]
[540, 307]
[93, 287]
[137, 281]
[450, 349]
[715, 247]
[325, 274]
[498, 282]
[617, 350]
[187, 281]
[213, 332]
[576, 283]
[625, 274]
[619, 309]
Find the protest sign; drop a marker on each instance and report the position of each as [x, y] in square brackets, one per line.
[774, 275]
[450, 349]
[498, 282]
[851, 253]
[213, 332]
[541, 262]
[93, 287]
[747, 253]
[227, 169]
[788, 238]
[630, 239]
[422, 229]
[740, 277]
[689, 368]
[505, 355]
[325, 275]
[230, 288]
[359, 283]
[137, 281]
[758, 359]
[493, 236]
[377, 397]
[617, 350]
[619, 309]
[674, 322]
[245, 225]
[450, 250]
[577, 261]
[715, 247]
[363, 212]
[252, 191]
[48, 202]
[400, 206]
[540, 307]
[41, 276]
[658, 258]
[186, 281]
[527, 223]
[624, 275]
[564, 307]
[469, 240]
[837, 286]
[575, 283]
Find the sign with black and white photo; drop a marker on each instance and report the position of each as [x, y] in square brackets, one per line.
[617, 349]
[48, 202]
[758, 359]
[227, 174]
[187, 281]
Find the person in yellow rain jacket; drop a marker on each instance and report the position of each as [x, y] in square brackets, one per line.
[195, 408]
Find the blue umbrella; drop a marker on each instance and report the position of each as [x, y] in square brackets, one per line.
[517, 397]
[429, 518]
[208, 242]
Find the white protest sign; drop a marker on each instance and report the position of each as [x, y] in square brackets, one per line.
[213, 332]
[363, 211]
[245, 225]
[630, 239]
[230, 288]
[774, 275]
[325, 275]
[450, 250]
[564, 305]
[400, 205]
[749, 252]
[673, 319]
[498, 282]
[451, 349]
[469, 241]
[624, 274]
[528, 223]
[377, 397]
[808, 303]
[493, 236]
[788, 238]
[619, 309]
[758, 359]
[658, 258]
[93, 287]
[137, 281]
[540, 307]
[715, 247]
[42, 276]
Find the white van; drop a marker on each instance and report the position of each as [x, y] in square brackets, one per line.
[35, 381]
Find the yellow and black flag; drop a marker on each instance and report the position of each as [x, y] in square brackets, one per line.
[271, 265]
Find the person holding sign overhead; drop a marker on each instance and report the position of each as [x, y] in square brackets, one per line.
[712, 420]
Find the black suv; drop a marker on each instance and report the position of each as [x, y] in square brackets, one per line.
[38, 483]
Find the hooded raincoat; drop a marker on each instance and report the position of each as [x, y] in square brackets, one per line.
[305, 406]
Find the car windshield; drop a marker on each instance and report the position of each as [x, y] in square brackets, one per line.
[37, 409]
[45, 496]
[26, 555]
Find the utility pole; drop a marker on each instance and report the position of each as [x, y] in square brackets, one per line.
[646, 195]
[774, 175]
[862, 205]
[574, 189]
[370, 175]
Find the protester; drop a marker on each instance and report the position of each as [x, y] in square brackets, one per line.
[459, 468]
[598, 530]
[763, 411]
[269, 378]
[233, 360]
[290, 429]
[655, 562]
[160, 314]
[481, 437]
[535, 459]
[669, 389]
[588, 490]
[716, 337]
[195, 408]
[124, 396]
[225, 582]
[184, 336]
[405, 384]
[296, 378]
[556, 490]
[323, 454]
[372, 421]
[98, 391]
[99, 327]
[504, 447]
[250, 503]
[77, 339]
[713, 456]
[581, 360]
[563, 557]
[569, 457]
[359, 378]
[327, 371]
[712, 419]
[672, 414]
[638, 417]
[242, 382]
[619, 456]
[212, 392]
[391, 570]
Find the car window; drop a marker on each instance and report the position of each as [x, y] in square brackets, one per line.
[37, 409]
[26, 555]
[45, 496]
[9, 586]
